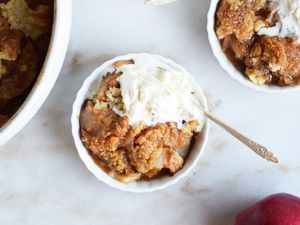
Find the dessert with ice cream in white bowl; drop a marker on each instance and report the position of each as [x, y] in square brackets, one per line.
[261, 38]
[142, 120]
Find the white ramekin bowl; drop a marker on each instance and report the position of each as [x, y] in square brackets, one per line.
[228, 66]
[49, 73]
[89, 88]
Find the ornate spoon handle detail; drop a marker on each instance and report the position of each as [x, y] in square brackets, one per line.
[257, 148]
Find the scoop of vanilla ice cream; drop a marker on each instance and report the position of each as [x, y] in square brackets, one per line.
[289, 24]
[156, 92]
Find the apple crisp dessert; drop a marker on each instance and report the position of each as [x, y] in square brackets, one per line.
[261, 39]
[25, 30]
[130, 152]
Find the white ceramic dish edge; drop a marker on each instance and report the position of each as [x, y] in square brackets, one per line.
[90, 86]
[228, 66]
[49, 73]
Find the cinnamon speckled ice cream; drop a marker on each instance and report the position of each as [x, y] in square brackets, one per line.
[142, 121]
[155, 92]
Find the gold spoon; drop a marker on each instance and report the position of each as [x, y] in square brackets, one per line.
[257, 148]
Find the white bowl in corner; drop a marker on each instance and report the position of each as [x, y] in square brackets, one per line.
[49, 72]
[89, 88]
[228, 66]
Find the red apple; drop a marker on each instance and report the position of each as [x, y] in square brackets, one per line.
[278, 209]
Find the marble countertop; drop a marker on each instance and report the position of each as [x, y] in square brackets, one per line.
[43, 180]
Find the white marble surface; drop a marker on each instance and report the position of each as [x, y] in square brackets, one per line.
[42, 180]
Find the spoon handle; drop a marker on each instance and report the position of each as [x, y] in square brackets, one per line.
[257, 148]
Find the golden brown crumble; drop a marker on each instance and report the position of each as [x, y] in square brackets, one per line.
[273, 58]
[237, 17]
[130, 153]
[33, 22]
